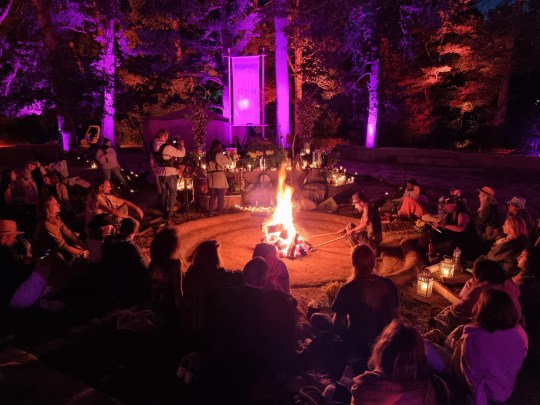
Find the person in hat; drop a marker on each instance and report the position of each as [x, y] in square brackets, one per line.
[517, 208]
[124, 265]
[456, 230]
[369, 229]
[99, 228]
[486, 222]
[20, 285]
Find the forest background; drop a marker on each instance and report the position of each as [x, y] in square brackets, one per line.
[439, 73]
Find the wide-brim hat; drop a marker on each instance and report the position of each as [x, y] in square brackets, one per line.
[487, 190]
[101, 220]
[8, 228]
[518, 202]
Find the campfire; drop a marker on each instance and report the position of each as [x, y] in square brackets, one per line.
[280, 230]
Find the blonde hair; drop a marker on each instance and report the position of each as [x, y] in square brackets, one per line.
[517, 226]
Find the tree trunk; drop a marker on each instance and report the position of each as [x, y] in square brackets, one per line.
[373, 111]
[109, 68]
[298, 78]
[283, 126]
[59, 83]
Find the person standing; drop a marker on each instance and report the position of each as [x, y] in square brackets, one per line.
[163, 158]
[217, 180]
[107, 158]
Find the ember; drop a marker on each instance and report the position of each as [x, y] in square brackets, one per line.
[280, 230]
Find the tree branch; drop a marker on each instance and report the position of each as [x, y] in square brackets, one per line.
[72, 29]
[6, 11]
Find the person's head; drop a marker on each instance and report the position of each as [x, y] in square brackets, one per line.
[486, 194]
[516, 204]
[514, 227]
[165, 246]
[51, 207]
[162, 135]
[235, 140]
[495, 310]
[107, 142]
[529, 261]
[399, 354]
[359, 201]
[255, 273]
[105, 187]
[411, 184]
[51, 178]
[31, 166]
[455, 191]
[128, 227]
[8, 232]
[215, 146]
[363, 260]
[8, 176]
[268, 252]
[206, 255]
[104, 223]
[488, 270]
[450, 204]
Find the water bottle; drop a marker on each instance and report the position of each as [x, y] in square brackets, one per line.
[457, 258]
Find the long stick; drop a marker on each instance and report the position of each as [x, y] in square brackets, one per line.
[322, 234]
[330, 241]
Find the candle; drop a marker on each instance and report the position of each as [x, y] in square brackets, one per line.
[249, 167]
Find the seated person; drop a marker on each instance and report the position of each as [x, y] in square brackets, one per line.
[486, 274]
[278, 274]
[54, 188]
[369, 229]
[124, 265]
[528, 281]
[52, 234]
[7, 194]
[412, 202]
[20, 285]
[487, 219]
[366, 304]
[517, 208]
[455, 191]
[506, 250]
[455, 229]
[102, 201]
[99, 228]
[399, 372]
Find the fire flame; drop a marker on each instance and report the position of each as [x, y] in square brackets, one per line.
[280, 230]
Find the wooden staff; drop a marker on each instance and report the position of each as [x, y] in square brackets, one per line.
[323, 234]
[330, 241]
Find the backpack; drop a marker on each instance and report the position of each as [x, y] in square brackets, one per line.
[158, 157]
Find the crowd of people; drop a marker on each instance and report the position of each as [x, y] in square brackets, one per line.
[246, 324]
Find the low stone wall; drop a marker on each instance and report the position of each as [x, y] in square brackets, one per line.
[438, 158]
[15, 157]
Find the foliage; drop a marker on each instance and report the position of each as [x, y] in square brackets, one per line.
[199, 121]
[331, 289]
[273, 156]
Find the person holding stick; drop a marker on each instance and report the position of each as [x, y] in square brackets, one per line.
[369, 230]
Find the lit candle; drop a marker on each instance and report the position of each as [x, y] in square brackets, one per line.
[249, 167]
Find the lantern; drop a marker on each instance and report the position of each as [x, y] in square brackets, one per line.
[447, 267]
[424, 283]
[180, 185]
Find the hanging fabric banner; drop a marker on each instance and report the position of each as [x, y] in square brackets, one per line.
[246, 98]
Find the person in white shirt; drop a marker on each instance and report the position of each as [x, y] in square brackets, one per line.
[163, 160]
[106, 157]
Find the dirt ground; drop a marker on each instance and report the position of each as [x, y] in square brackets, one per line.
[141, 370]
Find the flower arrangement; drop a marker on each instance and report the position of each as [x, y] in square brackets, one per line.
[264, 150]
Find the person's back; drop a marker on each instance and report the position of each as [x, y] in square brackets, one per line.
[370, 301]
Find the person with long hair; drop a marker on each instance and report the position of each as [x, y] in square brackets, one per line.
[7, 193]
[412, 202]
[52, 234]
[217, 180]
[506, 250]
[204, 282]
[366, 304]
[486, 221]
[399, 372]
[166, 273]
[528, 281]
[491, 350]
[278, 274]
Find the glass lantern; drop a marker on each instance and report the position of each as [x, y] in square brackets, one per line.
[424, 283]
[447, 267]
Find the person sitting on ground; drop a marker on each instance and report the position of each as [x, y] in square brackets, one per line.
[166, 274]
[20, 285]
[278, 274]
[487, 220]
[528, 281]
[108, 160]
[204, 282]
[102, 201]
[7, 194]
[455, 230]
[52, 234]
[412, 202]
[124, 265]
[369, 229]
[517, 208]
[506, 250]
[54, 188]
[399, 372]
[99, 228]
[457, 192]
[487, 274]
[366, 304]
[492, 349]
